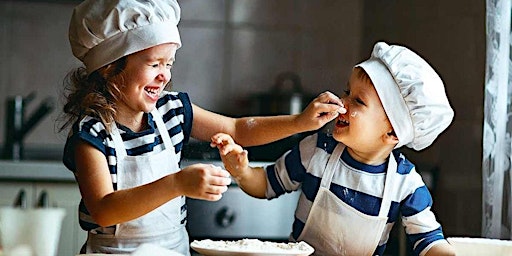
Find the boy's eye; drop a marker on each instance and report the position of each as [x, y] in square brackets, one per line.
[169, 65]
[346, 92]
[359, 101]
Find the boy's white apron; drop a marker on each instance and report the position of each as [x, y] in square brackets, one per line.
[335, 228]
[161, 226]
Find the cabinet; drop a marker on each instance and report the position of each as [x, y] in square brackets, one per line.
[59, 194]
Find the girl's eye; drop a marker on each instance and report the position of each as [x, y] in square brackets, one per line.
[169, 65]
[154, 65]
[346, 92]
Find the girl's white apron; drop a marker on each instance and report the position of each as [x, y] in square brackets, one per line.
[161, 226]
[335, 228]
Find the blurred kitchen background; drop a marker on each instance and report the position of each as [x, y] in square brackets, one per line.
[234, 50]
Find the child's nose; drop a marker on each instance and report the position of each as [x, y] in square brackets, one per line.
[164, 76]
[346, 103]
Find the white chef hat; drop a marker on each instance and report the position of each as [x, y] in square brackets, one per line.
[102, 31]
[411, 92]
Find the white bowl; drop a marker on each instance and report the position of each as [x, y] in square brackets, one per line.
[467, 246]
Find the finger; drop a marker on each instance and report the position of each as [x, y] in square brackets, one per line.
[219, 181]
[230, 148]
[329, 109]
[329, 97]
[218, 189]
[218, 171]
[220, 139]
[211, 197]
[243, 156]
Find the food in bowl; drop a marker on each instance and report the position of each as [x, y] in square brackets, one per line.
[251, 247]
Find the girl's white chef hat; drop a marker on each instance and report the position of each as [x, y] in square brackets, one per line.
[102, 31]
[411, 92]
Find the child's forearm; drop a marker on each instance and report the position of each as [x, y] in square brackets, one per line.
[253, 182]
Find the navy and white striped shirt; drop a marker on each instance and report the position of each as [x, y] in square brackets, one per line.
[359, 185]
[176, 111]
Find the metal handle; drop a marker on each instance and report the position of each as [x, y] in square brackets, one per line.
[21, 200]
[43, 201]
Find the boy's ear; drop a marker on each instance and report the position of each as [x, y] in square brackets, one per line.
[391, 137]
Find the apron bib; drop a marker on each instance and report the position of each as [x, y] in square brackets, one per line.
[335, 228]
[162, 226]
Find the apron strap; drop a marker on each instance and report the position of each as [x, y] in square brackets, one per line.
[118, 141]
[162, 129]
[389, 186]
[332, 165]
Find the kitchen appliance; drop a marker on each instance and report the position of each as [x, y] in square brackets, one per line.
[286, 96]
[237, 215]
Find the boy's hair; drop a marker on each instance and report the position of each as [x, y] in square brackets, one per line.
[362, 75]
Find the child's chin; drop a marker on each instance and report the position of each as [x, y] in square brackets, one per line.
[338, 136]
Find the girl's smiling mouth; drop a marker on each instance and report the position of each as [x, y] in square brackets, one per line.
[152, 91]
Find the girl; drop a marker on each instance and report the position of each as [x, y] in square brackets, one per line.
[127, 133]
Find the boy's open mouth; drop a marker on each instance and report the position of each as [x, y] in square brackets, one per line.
[341, 122]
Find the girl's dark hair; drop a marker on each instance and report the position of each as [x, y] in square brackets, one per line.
[94, 94]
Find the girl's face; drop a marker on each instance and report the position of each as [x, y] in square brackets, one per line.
[365, 126]
[146, 74]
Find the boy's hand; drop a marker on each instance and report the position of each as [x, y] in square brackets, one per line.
[320, 111]
[233, 155]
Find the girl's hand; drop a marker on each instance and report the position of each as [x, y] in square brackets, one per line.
[320, 111]
[203, 181]
[233, 155]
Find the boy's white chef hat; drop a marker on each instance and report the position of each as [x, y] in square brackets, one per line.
[411, 92]
[102, 31]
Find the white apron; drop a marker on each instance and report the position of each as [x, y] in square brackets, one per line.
[335, 228]
[162, 225]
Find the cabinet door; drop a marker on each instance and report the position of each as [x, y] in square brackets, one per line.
[67, 196]
[9, 192]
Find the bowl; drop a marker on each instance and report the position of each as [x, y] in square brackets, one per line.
[469, 246]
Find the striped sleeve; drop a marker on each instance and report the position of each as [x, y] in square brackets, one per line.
[90, 130]
[420, 223]
[289, 171]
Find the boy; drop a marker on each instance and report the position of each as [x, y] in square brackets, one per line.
[354, 183]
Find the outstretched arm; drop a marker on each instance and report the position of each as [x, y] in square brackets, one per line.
[108, 207]
[252, 180]
[258, 130]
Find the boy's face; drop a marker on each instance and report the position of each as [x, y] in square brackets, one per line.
[365, 127]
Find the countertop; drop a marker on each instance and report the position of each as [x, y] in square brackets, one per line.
[54, 171]
[29, 170]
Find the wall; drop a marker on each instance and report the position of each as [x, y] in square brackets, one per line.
[451, 36]
[231, 49]
[234, 48]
